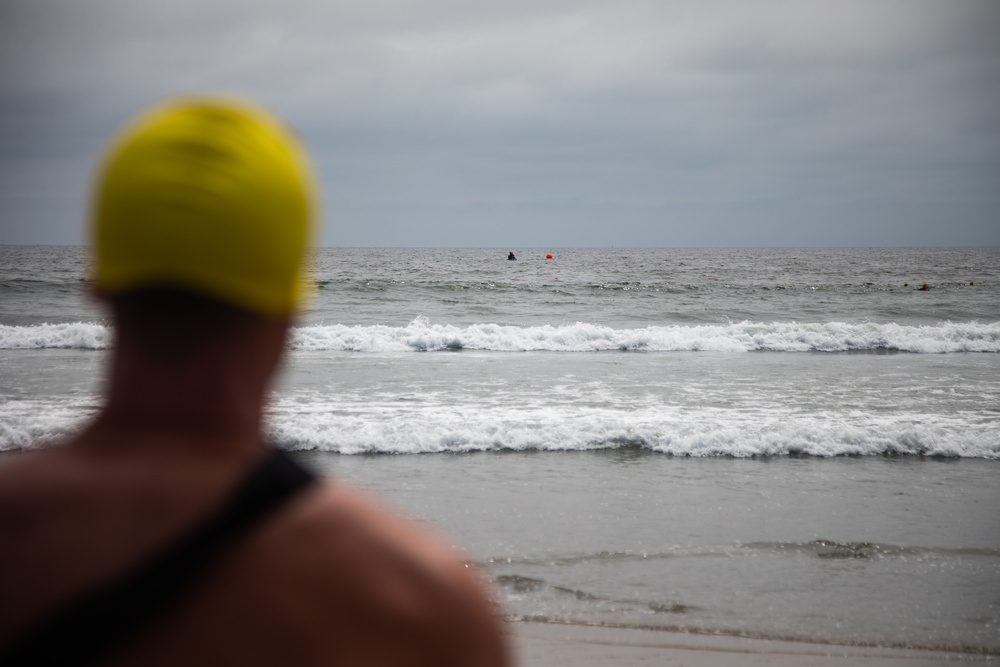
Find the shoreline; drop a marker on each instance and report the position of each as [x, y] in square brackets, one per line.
[538, 644]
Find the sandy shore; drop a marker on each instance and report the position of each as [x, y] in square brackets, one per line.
[549, 645]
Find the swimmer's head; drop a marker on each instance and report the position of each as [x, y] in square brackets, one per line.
[207, 194]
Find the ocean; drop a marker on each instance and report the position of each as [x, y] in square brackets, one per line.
[794, 444]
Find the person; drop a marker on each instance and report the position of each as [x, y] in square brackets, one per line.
[168, 531]
[510, 254]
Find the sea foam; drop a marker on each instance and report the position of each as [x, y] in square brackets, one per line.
[357, 424]
[422, 336]
[354, 429]
[76, 335]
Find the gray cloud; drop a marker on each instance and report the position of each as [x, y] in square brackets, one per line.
[544, 123]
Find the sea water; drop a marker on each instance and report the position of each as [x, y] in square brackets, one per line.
[785, 443]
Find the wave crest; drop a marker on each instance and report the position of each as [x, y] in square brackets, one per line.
[746, 336]
[76, 335]
[422, 336]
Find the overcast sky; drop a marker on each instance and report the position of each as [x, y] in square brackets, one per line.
[528, 123]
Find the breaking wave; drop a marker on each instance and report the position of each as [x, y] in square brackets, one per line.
[422, 336]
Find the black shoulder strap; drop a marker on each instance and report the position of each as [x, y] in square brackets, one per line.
[86, 628]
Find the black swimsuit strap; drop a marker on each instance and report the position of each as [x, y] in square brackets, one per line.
[86, 628]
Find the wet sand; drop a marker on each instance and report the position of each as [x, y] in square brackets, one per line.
[552, 645]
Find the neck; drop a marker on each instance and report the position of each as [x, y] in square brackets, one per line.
[211, 398]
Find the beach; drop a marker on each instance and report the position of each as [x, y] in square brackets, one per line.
[692, 457]
[546, 645]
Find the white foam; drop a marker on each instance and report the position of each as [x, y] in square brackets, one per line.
[422, 336]
[310, 420]
[353, 428]
[39, 421]
[76, 335]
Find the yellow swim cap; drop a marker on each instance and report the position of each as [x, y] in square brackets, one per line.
[210, 194]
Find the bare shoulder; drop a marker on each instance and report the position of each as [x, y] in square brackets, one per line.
[21, 473]
[349, 518]
[32, 484]
[68, 522]
[369, 567]
[334, 578]
[38, 499]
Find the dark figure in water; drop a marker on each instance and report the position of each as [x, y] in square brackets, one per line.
[510, 255]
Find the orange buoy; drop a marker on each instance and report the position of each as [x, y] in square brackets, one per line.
[548, 256]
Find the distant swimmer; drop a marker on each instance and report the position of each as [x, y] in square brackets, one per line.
[510, 255]
[924, 288]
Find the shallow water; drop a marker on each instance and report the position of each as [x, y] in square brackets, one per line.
[890, 551]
